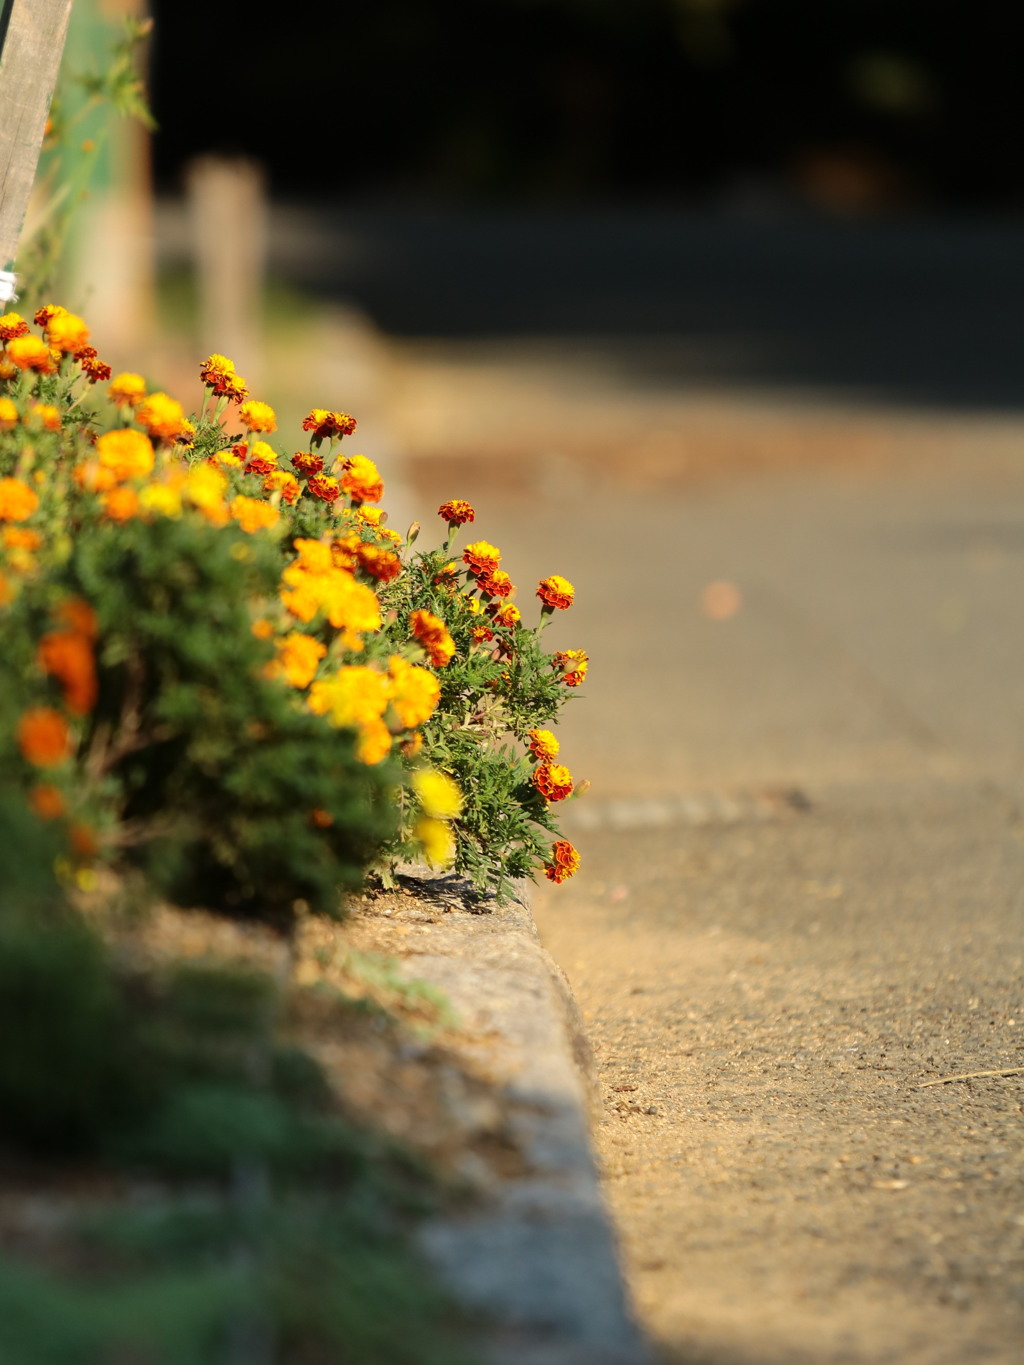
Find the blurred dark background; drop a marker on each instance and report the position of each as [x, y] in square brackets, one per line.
[847, 104]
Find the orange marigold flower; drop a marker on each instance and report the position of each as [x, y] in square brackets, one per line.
[456, 512]
[324, 487]
[481, 557]
[120, 504]
[361, 480]
[84, 840]
[127, 390]
[298, 657]
[543, 745]
[507, 615]
[572, 664]
[17, 500]
[379, 563]
[46, 801]
[43, 737]
[325, 424]
[125, 453]
[12, 325]
[307, 462]
[415, 692]
[205, 487]
[433, 635]
[77, 614]
[67, 656]
[66, 332]
[257, 416]
[7, 369]
[280, 481]
[553, 781]
[92, 476]
[495, 584]
[8, 415]
[252, 514]
[556, 592]
[314, 556]
[30, 353]
[20, 538]
[263, 629]
[46, 415]
[565, 862]
[162, 416]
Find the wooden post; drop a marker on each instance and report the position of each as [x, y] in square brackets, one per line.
[28, 73]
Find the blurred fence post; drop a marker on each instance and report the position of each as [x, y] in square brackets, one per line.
[227, 207]
[32, 46]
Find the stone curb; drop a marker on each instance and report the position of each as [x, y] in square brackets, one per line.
[537, 1254]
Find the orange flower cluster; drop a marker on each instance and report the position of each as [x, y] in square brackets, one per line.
[495, 584]
[67, 655]
[556, 592]
[553, 781]
[433, 635]
[456, 512]
[565, 862]
[162, 416]
[361, 481]
[327, 425]
[17, 500]
[218, 374]
[127, 390]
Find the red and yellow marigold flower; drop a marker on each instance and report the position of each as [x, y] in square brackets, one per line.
[125, 454]
[572, 664]
[481, 635]
[12, 325]
[31, 353]
[456, 512]
[67, 656]
[495, 584]
[507, 615]
[553, 781]
[66, 332]
[433, 635]
[218, 374]
[565, 862]
[257, 416]
[361, 480]
[324, 487]
[43, 737]
[556, 592]
[298, 657]
[42, 316]
[543, 745]
[307, 462]
[127, 390]
[253, 514]
[384, 565]
[327, 425]
[481, 557]
[286, 485]
[8, 415]
[162, 416]
[97, 370]
[262, 459]
[17, 500]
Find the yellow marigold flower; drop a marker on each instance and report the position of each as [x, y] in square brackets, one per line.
[161, 500]
[17, 500]
[252, 514]
[12, 325]
[415, 692]
[262, 451]
[30, 353]
[8, 415]
[386, 532]
[46, 415]
[186, 437]
[7, 369]
[127, 390]
[565, 862]
[543, 745]
[372, 516]
[456, 512]
[374, 742]
[314, 555]
[43, 737]
[361, 481]
[553, 781]
[301, 599]
[205, 487]
[438, 793]
[162, 416]
[125, 453]
[481, 557]
[258, 416]
[298, 657]
[349, 605]
[228, 459]
[433, 635]
[280, 481]
[556, 592]
[436, 840]
[67, 332]
[120, 504]
[352, 697]
[214, 366]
